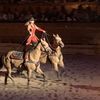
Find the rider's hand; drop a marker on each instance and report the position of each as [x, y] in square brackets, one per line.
[44, 31]
[27, 43]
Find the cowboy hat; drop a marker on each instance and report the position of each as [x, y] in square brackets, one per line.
[30, 20]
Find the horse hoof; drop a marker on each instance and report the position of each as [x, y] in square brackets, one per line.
[58, 80]
[5, 84]
[37, 76]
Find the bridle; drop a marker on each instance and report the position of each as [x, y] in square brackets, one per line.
[45, 49]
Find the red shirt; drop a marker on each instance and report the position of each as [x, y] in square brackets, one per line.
[33, 37]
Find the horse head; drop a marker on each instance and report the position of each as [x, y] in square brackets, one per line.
[58, 41]
[45, 46]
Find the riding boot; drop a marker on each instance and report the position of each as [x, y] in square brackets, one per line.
[24, 52]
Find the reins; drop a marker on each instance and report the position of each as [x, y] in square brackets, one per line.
[44, 49]
[22, 43]
[48, 40]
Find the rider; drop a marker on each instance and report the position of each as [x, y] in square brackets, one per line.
[31, 27]
[32, 39]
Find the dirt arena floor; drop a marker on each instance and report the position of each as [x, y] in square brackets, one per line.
[81, 81]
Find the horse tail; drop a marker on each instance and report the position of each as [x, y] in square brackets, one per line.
[49, 60]
[1, 61]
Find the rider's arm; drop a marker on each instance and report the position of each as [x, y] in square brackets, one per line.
[39, 29]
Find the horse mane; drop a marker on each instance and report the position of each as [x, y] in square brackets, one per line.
[52, 43]
[35, 46]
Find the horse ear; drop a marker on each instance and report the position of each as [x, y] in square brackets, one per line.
[53, 35]
[57, 35]
[43, 39]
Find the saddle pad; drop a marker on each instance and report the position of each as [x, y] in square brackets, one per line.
[17, 55]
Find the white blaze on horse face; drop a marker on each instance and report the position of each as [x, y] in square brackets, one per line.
[59, 40]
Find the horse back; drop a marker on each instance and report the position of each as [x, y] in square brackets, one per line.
[17, 55]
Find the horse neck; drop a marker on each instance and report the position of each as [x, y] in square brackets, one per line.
[54, 46]
[36, 53]
[58, 49]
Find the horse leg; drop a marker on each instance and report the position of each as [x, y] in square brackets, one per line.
[8, 74]
[29, 73]
[62, 70]
[61, 64]
[57, 70]
[39, 71]
[20, 69]
[6, 77]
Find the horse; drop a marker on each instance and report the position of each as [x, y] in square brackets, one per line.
[56, 57]
[11, 60]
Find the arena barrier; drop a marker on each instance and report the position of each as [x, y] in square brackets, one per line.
[78, 37]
